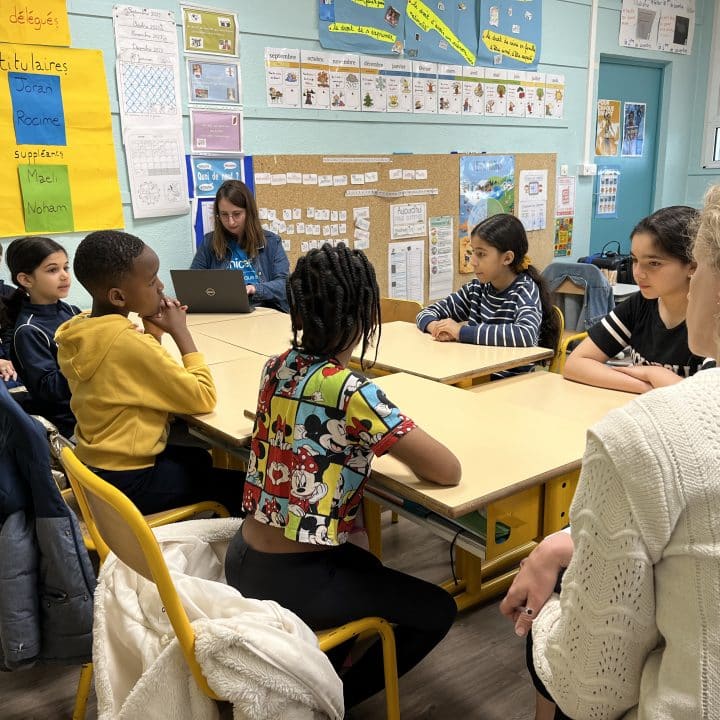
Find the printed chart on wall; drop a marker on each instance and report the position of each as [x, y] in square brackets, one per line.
[606, 190]
[510, 34]
[406, 280]
[633, 138]
[665, 25]
[487, 187]
[532, 199]
[58, 170]
[209, 31]
[148, 76]
[563, 237]
[607, 130]
[440, 259]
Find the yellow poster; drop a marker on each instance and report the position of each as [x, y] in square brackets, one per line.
[55, 110]
[34, 22]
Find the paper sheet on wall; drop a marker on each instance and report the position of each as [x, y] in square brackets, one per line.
[282, 77]
[565, 197]
[408, 220]
[42, 22]
[666, 25]
[209, 31]
[147, 67]
[157, 172]
[405, 270]
[532, 199]
[440, 259]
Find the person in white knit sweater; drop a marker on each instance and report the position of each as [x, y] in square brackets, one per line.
[635, 631]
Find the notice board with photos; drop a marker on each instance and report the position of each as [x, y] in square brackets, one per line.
[401, 209]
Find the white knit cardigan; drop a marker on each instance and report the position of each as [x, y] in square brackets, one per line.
[635, 632]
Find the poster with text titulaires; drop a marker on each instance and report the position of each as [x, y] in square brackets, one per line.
[57, 170]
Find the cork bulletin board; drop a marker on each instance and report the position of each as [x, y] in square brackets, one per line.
[362, 200]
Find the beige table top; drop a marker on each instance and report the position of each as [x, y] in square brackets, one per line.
[205, 318]
[237, 383]
[510, 435]
[403, 348]
[214, 350]
[268, 333]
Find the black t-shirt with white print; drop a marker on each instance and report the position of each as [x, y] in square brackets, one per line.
[636, 323]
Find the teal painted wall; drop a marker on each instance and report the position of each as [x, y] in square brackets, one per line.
[291, 23]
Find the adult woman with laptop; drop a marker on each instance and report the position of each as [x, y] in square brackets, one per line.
[239, 242]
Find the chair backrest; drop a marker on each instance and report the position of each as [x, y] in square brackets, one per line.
[404, 310]
[116, 525]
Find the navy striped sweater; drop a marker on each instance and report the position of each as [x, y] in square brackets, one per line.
[510, 318]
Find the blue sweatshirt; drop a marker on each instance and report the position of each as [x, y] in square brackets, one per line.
[271, 265]
[34, 354]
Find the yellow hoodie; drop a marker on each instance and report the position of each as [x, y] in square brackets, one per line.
[124, 385]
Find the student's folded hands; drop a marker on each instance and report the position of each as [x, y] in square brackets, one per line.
[171, 317]
[7, 370]
[654, 375]
[446, 330]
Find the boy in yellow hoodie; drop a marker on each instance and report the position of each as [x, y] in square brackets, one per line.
[124, 384]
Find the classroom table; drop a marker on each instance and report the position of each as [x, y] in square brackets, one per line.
[403, 348]
[237, 382]
[214, 350]
[516, 439]
[268, 333]
[622, 291]
[194, 319]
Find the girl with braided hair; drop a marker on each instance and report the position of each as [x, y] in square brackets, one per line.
[318, 425]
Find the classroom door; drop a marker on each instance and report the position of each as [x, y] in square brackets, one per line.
[638, 89]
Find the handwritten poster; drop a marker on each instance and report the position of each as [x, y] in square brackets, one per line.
[213, 83]
[40, 22]
[443, 32]
[376, 27]
[46, 200]
[510, 34]
[60, 117]
[37, 109]
[209, 31]
[665, 25]
[408, 220]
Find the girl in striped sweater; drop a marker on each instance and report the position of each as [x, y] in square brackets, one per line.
[507, 304]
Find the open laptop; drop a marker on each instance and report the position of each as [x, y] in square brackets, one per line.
[211, 291]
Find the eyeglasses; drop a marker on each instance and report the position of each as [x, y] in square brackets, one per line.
[236, 215]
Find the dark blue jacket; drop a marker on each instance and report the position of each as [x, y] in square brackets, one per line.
[6, 291]
[34, 354]
[46, 578]
[271, 265]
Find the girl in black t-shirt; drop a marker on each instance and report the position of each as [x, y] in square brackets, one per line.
[651, 322]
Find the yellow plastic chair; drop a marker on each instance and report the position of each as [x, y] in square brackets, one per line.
[75, 499]
[404, 310]
[566, 338]
[116, 525]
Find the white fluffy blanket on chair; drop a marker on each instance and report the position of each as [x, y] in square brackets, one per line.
[254, 653]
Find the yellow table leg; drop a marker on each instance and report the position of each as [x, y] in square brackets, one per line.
[371, 514]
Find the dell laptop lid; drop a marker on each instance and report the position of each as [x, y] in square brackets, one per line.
[211, 291]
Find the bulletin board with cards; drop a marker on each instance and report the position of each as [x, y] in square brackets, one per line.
[403, 211]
